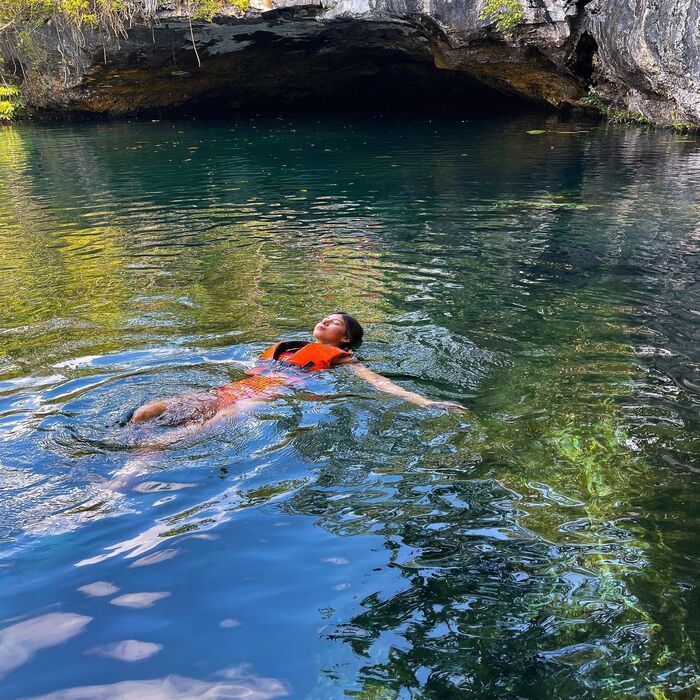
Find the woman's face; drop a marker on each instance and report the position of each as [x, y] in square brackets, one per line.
[331, 331]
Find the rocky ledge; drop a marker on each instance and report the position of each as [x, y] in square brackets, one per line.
[635, 59]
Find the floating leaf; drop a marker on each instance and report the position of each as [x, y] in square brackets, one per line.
[543, 204]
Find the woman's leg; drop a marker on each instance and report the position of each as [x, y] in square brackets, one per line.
[149, 411]
[195, 429]
[197, 406]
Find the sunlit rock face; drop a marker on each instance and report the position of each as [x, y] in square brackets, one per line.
[648, 56]
[639, 55]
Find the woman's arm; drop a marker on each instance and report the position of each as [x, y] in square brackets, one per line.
[387, 386]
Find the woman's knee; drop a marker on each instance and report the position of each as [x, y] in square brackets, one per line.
[148, 411]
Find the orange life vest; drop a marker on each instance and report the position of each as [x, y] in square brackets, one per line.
[267, 381]
[310, 356]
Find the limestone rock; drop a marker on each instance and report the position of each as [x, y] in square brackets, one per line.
[640, 56]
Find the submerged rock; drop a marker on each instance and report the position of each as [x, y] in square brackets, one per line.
[637, 56]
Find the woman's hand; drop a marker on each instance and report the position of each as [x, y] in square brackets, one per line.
[451, 406]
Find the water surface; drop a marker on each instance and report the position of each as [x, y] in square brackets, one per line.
[340, 542]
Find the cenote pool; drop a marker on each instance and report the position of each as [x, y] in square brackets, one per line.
[341, 542]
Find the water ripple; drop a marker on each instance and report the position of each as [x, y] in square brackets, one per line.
[340, 540]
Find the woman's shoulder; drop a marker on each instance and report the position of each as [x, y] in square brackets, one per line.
[349, 358]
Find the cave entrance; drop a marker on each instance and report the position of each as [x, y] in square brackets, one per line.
[370, 86]
[345, 67]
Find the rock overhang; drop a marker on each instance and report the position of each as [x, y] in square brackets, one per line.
[288, 51]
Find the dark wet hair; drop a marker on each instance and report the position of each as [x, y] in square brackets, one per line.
[353, 329]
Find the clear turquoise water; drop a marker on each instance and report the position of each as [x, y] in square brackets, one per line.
[340, 542]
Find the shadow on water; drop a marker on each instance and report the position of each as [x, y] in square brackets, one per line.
[337, 541]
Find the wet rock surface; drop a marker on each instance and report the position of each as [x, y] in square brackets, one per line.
[638, 56]
[648, 56]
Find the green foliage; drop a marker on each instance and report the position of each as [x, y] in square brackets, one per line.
[594, 100]
[206, 9]
[683, 127]
[108, 15]
[10, 102]
[617, 116]
[506, 14]
[14, 12]
[621, 116]
[22, 18]
[624, 116]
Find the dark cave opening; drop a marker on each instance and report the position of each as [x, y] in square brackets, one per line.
[582, 59]
[366, 89]
[341, 67]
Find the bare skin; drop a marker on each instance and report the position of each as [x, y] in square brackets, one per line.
[388, 387]
[203, 408]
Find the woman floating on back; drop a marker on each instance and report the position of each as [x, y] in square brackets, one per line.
[279, 368]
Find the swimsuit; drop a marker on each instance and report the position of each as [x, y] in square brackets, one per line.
[281, 365]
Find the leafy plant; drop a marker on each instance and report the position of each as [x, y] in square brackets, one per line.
[20, 19]
[10, 101]
[623, 116]
[107, 15]
[506, 14]
[683, 127]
